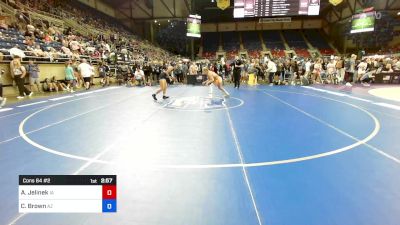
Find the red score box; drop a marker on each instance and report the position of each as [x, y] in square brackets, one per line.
[109, 192]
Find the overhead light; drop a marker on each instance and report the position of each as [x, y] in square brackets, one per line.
[168, 21]
[398, 13]
[155, 21]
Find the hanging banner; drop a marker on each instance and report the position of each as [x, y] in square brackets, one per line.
[335, 2]
[223, 4]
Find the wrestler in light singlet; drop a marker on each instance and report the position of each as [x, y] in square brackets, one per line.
[213, 78]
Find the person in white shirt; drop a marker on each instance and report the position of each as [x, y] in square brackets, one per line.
[308, 69]
[139, 76]
[362, 68]
[271, 65]
[396, 65]
[86, 72]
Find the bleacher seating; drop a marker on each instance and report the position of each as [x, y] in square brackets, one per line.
[278, 53]
[230, 55]
[382, 35]
[254, 54]
[209, 55]
[210, 44]
[273, 40]
[318, 41]
[251, 41]
[296, 42]
[302, 53]
[294, 39]
[230, 41]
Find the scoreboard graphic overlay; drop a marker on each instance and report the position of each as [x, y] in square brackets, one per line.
[67, 193]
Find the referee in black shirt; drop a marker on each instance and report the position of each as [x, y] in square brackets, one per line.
[237, 70]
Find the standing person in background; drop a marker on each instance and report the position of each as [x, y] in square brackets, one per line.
[139, 76]
[156, 71]
[19, 75]
[103, 70]
[2, 99]
[193, 69]
[237, 70]
[340, 69]
[280, 72]
[15, 58]
[85, 70]
[91, 74]
[362, 69]
[331, 71]
[317, 71]
[271, 71]
[70, 78]
[185, 70]
[351, 70]
[33, 71]
[308, 69]
[147, 73]
[178, 72]
[77, 74]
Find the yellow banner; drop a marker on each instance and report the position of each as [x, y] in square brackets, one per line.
[335, 2]
[223, 4]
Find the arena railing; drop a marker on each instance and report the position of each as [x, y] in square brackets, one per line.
[46, 59]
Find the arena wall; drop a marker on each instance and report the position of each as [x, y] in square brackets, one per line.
[47, 70]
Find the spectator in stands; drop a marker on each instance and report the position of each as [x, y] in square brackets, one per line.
[29, 41]
[19, 72]
[396, 64]
[387, 68]
[37, 51]
[85, 70]
[33, 71]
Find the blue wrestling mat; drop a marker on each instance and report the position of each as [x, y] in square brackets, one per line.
[265, 156]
